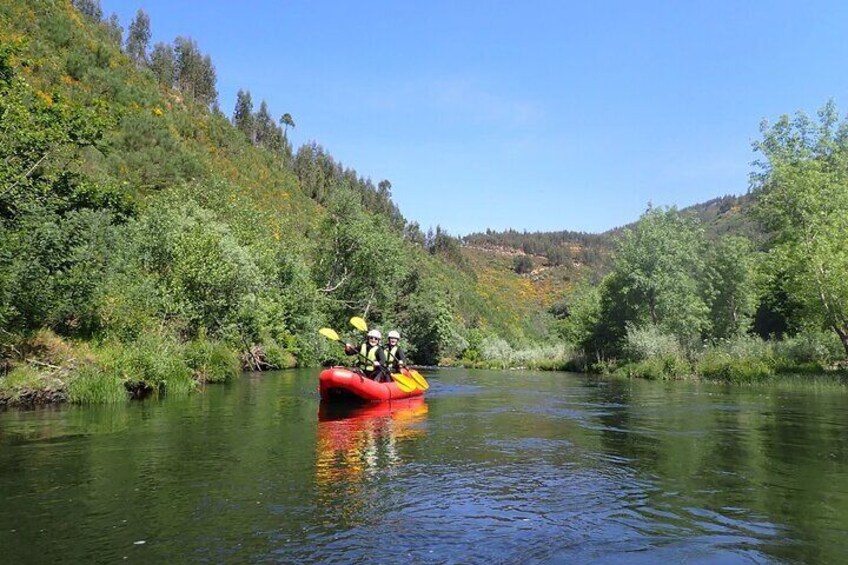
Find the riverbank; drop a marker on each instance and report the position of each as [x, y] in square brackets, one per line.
[45, 368]
[745, 359]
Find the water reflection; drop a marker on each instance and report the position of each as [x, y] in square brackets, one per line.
[357, 442]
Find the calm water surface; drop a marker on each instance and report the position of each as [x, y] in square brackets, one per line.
[492, 467]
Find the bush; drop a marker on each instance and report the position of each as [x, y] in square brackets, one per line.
[720, 365]
[807, 348]
[664, 367]
[211, 361]
[152, 363]
[92, 385]
[649, 342]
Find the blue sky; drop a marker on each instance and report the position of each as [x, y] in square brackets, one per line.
[527, 115]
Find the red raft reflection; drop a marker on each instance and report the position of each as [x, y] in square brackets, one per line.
[355, 442]
[340, 384]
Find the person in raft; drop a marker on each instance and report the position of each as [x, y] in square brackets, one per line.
[394, 354]
[372, 359]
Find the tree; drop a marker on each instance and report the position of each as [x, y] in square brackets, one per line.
[194, 72]
[659, 264]
[522, 264]
[114, 29]
[163, 64]
[90, 9]
[263, 125]
[243, 114]
[802, 190]
[138, 37]
[730, 274]
[287, 122]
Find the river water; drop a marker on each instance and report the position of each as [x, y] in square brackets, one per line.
[491, 467]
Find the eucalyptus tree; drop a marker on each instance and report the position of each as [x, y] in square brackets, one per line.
[163, 64]
[264, 125]
[138, 37]
[802, 189]
[243, 114]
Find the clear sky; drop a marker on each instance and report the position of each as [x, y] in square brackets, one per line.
[536, 115]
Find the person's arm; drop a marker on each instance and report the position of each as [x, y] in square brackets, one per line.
[400, 357]
[381, 357]
[349, 349]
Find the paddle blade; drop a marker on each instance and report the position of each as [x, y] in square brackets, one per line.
[359, 324]
[419, 379]
[329, 334]
[403, 382]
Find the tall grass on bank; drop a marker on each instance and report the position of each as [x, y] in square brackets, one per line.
[91, 385]
[497, 353]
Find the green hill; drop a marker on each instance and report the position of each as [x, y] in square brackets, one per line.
[140, 223]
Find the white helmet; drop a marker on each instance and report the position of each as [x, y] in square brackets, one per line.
[375, 333]
[394, 334]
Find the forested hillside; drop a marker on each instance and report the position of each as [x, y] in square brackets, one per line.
[149, 237]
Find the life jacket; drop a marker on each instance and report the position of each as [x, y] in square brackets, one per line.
[391, 355]
[370, 354]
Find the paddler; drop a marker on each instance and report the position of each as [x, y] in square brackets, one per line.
[394, 354]
[372, 358]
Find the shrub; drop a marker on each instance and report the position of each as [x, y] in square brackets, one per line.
[720, 365]
[649, 342]
[90, 384]
[211, 361]
[663, 367]
[151, 363]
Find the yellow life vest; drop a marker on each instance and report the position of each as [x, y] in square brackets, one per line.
[371, 355]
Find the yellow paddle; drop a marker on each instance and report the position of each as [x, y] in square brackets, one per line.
[404, 383]
[359, 324]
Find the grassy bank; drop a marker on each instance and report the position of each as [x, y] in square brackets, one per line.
[44, 368]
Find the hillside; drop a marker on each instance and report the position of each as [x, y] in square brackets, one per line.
[138, 219]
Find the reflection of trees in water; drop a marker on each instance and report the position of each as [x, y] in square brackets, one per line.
[356, 445]
[755, 465]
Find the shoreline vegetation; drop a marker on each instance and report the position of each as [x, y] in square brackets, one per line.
[50, 370]
[150, 244]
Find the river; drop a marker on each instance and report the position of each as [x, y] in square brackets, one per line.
[491, 467]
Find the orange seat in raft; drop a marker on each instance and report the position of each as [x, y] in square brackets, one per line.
[342, 384]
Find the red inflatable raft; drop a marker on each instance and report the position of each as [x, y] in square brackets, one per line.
[342, 384]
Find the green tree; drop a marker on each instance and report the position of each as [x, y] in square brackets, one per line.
[660, 265]
[264, 126]
[287, 122]
[731, 274]
[163, 64]
[114, 29]
[243, 114]
[802, 190]
[138, 37]
[90, 9]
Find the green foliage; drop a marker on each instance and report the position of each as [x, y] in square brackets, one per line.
[731, 278]
[152, 363]
[718, 364]
[657, 368]
[648, 342]
[211, 361]
[138, 37]
[803, 202]
[26, 378]
[522, 264]
[90, 384]
[660, 264]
